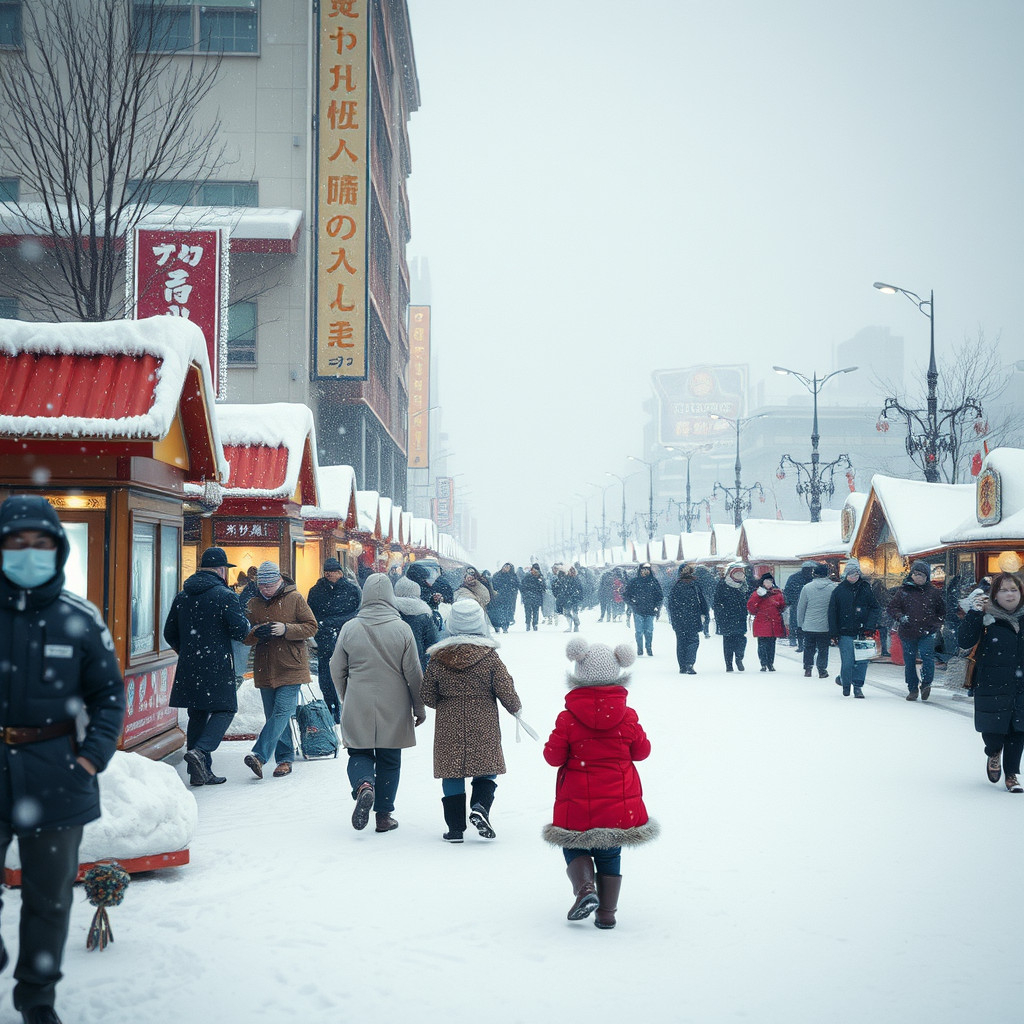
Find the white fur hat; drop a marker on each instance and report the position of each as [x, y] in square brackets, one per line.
[467, 619]
[598, 663]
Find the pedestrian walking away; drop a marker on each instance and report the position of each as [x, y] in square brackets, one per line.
[281, 624]
[599, 805]
[917, 611]
[502, 608]
[688, 615]
[645, 598]
[993, 623]
[333, 600]
[204, 622]
[56, 658]
[852, 615]
[533, 588]
[464, 683]
[791, 591]
[416, 614]
[812, 618]
[766, 604]
[730, 604]
[377, 672]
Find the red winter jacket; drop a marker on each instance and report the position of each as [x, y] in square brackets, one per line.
[767, 612]
[598, 796]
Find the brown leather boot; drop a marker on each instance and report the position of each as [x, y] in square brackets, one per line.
[608, 894]
[581, 874]
[385, 823]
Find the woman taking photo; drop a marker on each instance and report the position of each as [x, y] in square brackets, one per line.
[994, 624]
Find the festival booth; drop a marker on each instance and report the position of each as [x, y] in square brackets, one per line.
[834, 549]
[778, 546]
[111, 422]
[991, 540]
[696, 547]
[272, 453]
[335, 518]
[368, 531]
[724, 540]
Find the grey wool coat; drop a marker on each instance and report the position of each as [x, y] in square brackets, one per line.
[464, 682]
[379, 689]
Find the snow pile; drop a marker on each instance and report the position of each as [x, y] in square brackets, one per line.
[145, 811]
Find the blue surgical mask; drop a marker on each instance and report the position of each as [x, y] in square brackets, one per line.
[30, 567]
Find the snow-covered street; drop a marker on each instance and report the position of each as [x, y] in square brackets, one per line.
[822, 859]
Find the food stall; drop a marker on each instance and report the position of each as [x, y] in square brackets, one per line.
[110, 422]
[335, 518]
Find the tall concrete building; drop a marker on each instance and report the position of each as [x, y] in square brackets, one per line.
[310, 104]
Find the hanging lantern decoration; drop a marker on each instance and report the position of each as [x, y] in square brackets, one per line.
[780, 475]
[105, 886]
[882, 426]
[850, 480]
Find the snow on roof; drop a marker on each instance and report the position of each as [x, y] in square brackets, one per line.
[337, 489]
[670, 547]
[782, 540]
[407, 528]
[242, 222]
[175, 342]
[385, 506]
[696, 546]
[1009, 464]
[368, 509]
[287, 425]
[919, 513]
[727, 537]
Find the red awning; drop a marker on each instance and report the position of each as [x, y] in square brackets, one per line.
[256, 467]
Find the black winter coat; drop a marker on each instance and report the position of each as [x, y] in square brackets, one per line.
[204, 618]
[332, 605]
[999, 670]
[793, 586]
[917, 611]
[572, 591]
[56, 658]
[731, 609]
[644, 595]
[852, 609]
[532, 588]
[687, 609]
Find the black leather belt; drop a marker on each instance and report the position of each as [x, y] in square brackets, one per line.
[15, 735]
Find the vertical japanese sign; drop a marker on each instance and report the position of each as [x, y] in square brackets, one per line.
[342, 148]
[184, 273]
[444, 503]
[419, 386]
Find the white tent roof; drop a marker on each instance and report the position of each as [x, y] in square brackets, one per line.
[919, 513]
[1009, 464]
[337, 487]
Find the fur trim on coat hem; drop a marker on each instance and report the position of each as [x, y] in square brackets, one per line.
[463, 638]
[601, 838]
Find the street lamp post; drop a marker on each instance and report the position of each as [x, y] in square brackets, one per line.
[935, 435]
[603, 535]
[585, 545]
[738, 499]
[690, 513]
[623, 529]
[819, 478]
[651, 520]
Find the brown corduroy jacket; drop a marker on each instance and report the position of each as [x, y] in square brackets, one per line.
[281, 660]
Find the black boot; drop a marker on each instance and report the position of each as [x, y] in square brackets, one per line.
[195, 765]
[211, 779]
[454, 817]
[739, 663]
[608, 894]
[581, 874]
[480, 799]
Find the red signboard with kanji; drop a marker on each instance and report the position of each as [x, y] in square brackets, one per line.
[146, 710]
[179, 273]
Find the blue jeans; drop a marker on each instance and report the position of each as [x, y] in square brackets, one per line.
[925, 647]
[206, 729]
[381, 767]
[851, 671]
[276, 737]
[606, 862]
[643, 627]
[456, 787]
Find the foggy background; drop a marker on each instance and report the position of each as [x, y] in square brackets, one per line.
[600, 191]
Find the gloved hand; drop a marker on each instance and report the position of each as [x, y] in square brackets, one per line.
[904, 618]
[419, 719]
[264, 631]
[761, 592]
[978, 604]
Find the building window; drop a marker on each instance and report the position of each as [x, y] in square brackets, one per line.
[242, 334]
[9, 190]
[10, 25]
[8, 307]
[214, 26]
[155, 579]
[196, 193]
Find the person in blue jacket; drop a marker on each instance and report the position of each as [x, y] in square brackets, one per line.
[57, 664]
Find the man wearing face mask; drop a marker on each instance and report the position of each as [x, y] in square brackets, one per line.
[56, 660]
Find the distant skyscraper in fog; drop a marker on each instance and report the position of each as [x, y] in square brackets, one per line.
[879, 354]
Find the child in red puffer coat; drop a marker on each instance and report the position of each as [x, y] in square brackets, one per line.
[599, 805]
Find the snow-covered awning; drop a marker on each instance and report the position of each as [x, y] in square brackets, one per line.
[696, 546]
[337, 488]
[368, 511]
[997, 519]
[250, 229]
[781, 540]
[916, 513]
[725, 538]
[116, 381]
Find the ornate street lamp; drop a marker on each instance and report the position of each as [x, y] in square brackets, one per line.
[819, 478]
[690, 509]
[585, 539]
[650, 521]
[933, 435]
[623, 528]
[738, 498]
[604, 534]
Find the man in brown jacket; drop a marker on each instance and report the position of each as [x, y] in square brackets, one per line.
[281, 625]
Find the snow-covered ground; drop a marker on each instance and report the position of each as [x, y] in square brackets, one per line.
[822, 859]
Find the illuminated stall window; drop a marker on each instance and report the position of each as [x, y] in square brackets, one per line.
[154, 582]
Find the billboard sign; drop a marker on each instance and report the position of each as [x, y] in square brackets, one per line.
[687, 398]
[419, 386]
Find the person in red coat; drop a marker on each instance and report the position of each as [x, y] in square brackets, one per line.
[766, 605]
[599, 805]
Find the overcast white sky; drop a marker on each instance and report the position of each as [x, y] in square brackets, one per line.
[603, 189]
